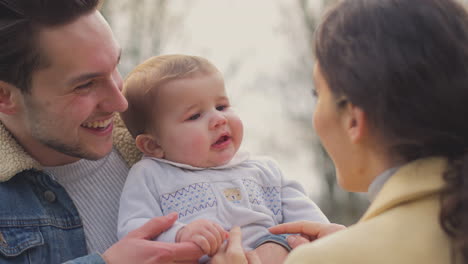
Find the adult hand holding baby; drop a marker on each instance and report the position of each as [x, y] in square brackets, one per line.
[207, 235]
[137, 246]
[232, 252]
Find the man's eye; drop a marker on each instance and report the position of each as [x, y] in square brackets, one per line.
[84, 86]
[221, 107]
[194, 117]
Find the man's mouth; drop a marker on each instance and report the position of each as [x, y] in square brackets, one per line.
[98, 125]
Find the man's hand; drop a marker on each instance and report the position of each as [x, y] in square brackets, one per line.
[307, 230]
[207, 235]
[137, 246]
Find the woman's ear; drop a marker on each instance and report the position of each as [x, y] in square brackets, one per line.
[356, 123]
[8, 102]
[148, 145]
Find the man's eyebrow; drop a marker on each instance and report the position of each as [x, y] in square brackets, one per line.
[91, 75]
[84, 77]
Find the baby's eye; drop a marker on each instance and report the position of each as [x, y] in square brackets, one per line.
[194, 117]
[221, 107]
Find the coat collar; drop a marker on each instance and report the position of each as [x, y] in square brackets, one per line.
[412, 181]
[14, 159]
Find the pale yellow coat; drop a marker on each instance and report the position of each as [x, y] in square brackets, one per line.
[400, 227]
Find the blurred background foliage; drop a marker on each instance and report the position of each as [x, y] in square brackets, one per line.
[264, 49]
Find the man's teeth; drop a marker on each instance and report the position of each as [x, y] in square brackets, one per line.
[97, 124]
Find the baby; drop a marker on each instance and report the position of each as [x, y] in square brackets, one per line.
[181, 119]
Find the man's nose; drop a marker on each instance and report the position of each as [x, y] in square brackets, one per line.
[113, 99]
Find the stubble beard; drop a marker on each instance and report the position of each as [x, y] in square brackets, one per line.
[39, 131]
[69, 150]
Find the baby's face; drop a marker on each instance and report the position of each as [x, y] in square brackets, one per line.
[195, 122]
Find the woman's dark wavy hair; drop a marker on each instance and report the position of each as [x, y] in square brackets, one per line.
[20, 22]
[405, 63]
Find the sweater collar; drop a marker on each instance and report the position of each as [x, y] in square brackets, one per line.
[240, 157]
[410, 182]
[379, 182]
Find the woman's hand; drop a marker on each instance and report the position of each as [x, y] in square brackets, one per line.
[308, 231]
[232, 252]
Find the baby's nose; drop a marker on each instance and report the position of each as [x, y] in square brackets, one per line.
[217, 121]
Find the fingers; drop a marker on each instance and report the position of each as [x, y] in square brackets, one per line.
[332, 228]
[216, 237]
[295, 241]
[207, 235]
[221, 234]
[186, 251]
[203, 242]
[154, 227]
[214, 234]
[235, 252]
[232, 252]
[301, 227]
[308, 228]
[183, 252]
[235, 239]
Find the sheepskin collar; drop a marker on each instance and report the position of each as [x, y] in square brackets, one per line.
[14, 159]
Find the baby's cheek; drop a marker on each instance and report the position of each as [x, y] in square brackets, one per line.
[238, 131]
[197, 144]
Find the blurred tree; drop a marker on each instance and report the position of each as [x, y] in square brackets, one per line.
[142, 27]
[300, 23]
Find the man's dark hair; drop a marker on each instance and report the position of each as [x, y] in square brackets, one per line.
[405, 63]
[20, 22]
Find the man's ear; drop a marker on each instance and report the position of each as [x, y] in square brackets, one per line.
[356, 123]
[148, 145]
[8, 102]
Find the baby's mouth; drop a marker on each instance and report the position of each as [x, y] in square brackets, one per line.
[221, 140]
[98, 125]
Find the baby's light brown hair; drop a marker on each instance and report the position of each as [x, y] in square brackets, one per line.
[142, 82]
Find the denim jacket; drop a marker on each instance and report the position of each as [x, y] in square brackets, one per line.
[38, 221]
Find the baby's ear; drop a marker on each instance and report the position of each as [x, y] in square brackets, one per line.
[148, 145]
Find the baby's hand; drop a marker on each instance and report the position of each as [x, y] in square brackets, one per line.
[207, 235]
